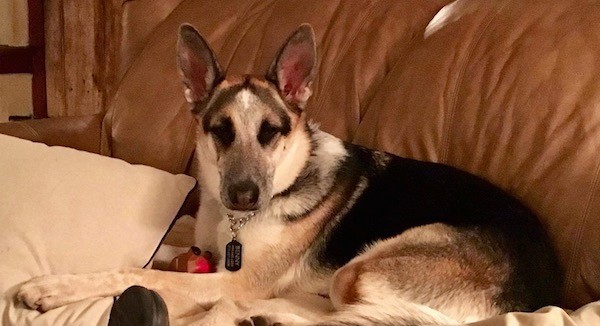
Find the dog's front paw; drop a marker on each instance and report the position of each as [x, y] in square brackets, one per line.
[47, 292]
[257, 321]
[285, 319]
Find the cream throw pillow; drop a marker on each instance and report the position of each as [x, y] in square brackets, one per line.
[67, 211]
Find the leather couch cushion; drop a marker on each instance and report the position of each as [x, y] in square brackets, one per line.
[140, 18]
[82, 132]
[509, 90]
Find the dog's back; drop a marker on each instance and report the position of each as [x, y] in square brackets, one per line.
[492, 238]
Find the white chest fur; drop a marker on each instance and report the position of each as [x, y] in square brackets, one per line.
[259, 236]
[264, 239]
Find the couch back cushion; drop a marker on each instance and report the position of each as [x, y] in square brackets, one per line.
[148, 121]
[510, 91]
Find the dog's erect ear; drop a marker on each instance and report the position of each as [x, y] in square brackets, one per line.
[197, 64]
[294, 67]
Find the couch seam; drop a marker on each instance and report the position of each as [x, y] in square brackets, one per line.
[146, 41]
[449, 116]
[109, 136]
[575, 256]
[31, 129]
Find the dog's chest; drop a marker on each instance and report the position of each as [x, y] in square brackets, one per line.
[274, 251]
[260, 239]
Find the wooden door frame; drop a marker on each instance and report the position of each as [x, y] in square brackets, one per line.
[30, 59]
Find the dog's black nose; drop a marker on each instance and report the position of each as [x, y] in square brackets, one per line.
[243, 196]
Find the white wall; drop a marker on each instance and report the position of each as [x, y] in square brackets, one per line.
[15, 90]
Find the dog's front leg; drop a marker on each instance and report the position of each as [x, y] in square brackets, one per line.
[52, 291]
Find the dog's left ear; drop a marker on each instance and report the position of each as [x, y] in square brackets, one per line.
[294, 67]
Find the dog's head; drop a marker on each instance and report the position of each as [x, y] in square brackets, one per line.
[252, 135]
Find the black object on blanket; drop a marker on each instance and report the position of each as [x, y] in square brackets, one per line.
[138, 306]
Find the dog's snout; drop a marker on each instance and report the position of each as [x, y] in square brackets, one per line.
[244, 195]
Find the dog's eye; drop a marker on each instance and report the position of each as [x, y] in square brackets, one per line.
[267, 132]
[223, 132]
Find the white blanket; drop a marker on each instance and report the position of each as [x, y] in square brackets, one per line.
[227, 312]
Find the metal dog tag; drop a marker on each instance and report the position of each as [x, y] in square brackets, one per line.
[233, 256]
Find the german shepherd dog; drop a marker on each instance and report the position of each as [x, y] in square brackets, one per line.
[287, 208]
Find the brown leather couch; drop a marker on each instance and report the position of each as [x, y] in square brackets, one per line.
[507, 89]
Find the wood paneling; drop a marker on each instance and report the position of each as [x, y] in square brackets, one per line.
[82, 38]
[55, 63]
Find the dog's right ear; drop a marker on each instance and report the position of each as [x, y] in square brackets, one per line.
[197, 64]
[295, 66]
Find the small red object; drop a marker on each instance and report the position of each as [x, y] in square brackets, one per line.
[201, 265]
[193, 261]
